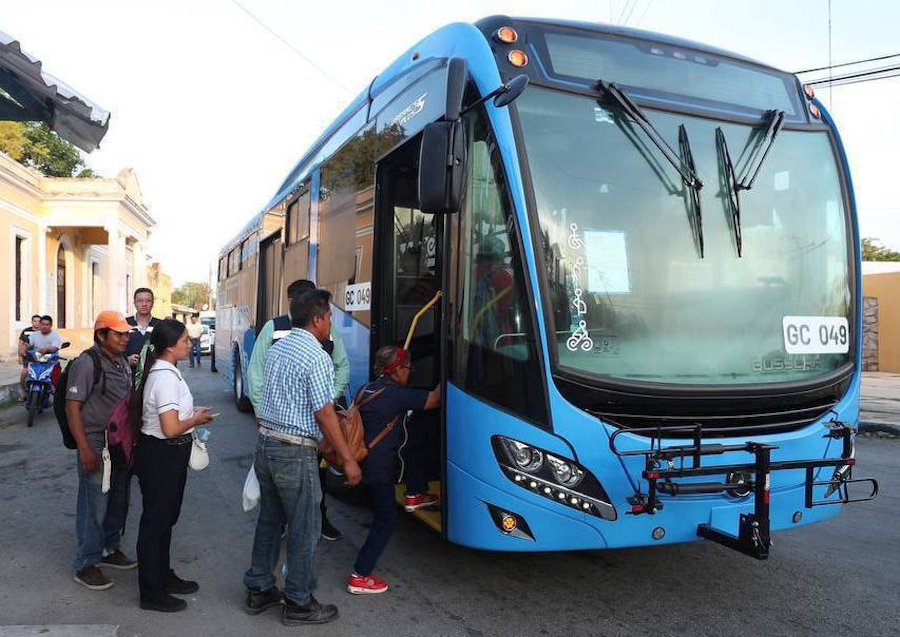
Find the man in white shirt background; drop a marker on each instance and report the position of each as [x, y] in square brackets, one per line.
[195, 331]
[46, 340]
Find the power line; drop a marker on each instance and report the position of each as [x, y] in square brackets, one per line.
[837, 66]
[641, 19]
[630, 11]
[866, 79]
[852, 76]
[291, 46]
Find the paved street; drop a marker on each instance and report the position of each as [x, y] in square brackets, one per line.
[841, 577]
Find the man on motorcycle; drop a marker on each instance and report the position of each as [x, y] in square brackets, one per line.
[46, 340]
[24, 344]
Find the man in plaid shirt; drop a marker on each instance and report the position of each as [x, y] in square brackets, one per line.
[296, 410]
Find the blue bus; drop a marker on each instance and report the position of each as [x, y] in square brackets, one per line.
[649, 266]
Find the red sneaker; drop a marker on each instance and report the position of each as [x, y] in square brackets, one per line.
[365, 585]
[420, 500]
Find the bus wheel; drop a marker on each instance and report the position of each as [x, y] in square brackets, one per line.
[240, 400]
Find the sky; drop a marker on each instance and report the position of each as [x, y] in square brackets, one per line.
[212, 110]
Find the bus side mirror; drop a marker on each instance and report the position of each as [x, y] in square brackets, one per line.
[442, 167]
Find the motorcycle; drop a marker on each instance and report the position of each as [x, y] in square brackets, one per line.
[43, 370]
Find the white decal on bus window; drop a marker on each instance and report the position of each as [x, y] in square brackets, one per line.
[410, 111]
[603, 116]
[607, 262]
[782, 180]
[816, 334]
[358, 297]
[579, 338]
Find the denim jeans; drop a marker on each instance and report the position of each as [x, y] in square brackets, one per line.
[99, 517]
[195, 352]
[289, 490]
[384, 517]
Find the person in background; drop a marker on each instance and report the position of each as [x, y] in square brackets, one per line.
[295, 411]
[392, 369]
[45, 340]
[23, 351]
[195, 331]
[142, 324]
[99, 517]
[270, 334]
[168, 418]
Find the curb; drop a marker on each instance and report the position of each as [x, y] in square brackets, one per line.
[879, 426]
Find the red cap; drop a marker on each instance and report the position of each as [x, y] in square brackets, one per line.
[110, 319]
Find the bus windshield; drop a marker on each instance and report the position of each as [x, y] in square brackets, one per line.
[631, 297]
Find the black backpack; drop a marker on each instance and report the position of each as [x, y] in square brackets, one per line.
[59, 395]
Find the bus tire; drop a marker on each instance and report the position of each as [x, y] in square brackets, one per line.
[240, 399]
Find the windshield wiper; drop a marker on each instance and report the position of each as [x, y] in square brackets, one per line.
[732, 186]
[624, 102]
[693, 202]
[775, 121]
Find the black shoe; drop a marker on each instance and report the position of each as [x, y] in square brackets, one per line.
[167, 604]
[310, 613]
[93, 578]
[259, 601]
[329, 532]
[177, 586]
[117, 559]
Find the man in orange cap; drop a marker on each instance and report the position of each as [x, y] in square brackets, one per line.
[91, 397]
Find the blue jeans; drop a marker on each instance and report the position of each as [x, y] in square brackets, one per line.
[195, 352]
[289, 494]
[99, 517]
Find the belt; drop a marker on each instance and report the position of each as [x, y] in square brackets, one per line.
[180, 440]
[302, 441]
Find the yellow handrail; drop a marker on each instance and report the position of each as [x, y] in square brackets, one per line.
[412, 327]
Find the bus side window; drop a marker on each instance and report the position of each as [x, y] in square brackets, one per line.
[495, 356]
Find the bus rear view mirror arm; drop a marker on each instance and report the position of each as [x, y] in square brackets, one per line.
[503, 95]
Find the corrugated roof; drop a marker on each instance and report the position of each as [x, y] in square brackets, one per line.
[39, 96]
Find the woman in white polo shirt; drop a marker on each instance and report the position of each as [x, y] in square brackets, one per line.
[168, 417]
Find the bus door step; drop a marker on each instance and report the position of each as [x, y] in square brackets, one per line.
[431, 516]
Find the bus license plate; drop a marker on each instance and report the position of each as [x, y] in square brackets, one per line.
[816, 334]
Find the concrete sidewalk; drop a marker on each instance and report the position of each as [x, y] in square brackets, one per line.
[9, 379]
[879, 408]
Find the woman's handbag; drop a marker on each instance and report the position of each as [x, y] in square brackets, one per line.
[352, 429]
[199, 455]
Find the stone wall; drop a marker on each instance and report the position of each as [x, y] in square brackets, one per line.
[870, 334]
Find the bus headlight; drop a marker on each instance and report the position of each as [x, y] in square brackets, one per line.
[563, 481]
[565, 472]
[525, 457]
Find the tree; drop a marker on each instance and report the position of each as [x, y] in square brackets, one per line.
[872, 250]
[36, 146]
[192, 295]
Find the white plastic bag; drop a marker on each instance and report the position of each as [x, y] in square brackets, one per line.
[251, 490]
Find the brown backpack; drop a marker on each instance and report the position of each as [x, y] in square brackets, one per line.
[351, 423]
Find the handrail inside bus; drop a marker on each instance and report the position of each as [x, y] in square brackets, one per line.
[412, 327]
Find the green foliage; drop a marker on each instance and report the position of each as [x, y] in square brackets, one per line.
[36, 146]
[872, 250]
[192, 294]
[12, 139]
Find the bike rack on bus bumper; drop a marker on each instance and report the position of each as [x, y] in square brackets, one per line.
[753, 537]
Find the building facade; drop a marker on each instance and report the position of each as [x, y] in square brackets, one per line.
[881, 317]
[69, 248]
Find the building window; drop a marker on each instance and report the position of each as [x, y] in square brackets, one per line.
[95, 287]
[61, 288]
[20, 241]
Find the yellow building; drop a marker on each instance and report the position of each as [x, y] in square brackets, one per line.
[70, 248]
[161, 284]
[881, 289]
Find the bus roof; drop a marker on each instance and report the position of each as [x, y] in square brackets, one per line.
[401, 65]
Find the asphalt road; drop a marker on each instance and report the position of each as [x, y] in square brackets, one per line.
[840, 577]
